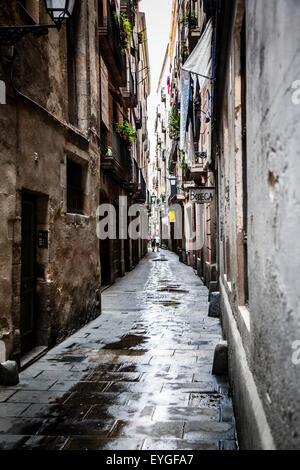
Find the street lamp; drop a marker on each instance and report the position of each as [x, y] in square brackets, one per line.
[58, 10]
[173, 180]
[201, 155]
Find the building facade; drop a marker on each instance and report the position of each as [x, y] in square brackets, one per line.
[62, 155]
[233, 121]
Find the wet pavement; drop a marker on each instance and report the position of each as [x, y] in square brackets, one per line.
[137, 377]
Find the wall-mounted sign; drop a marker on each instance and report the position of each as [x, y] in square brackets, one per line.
[172, 216]
[43, 239]
[202, 195]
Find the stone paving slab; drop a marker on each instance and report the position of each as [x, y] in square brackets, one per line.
[137, 377]
[94, 443]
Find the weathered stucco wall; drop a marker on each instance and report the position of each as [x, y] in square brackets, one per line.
[33, 150]
[273, 65]
[261, 332]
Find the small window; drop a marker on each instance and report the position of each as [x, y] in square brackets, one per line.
[74, 187]
[115, 113]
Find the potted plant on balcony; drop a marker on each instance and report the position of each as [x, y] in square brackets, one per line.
[125, 31]
[141, 37]
[189, 19]
[185, 52]
[174, 124]
[128, 134]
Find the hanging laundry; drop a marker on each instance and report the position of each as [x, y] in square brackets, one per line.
[169, 84]
[207, 114]
[190, 109]
[197, 113]
[185, 95]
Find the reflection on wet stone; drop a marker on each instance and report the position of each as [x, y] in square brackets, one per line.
[136, 381]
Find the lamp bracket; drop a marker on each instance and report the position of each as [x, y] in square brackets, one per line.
[10, 35]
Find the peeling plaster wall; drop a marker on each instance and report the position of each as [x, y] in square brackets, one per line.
[33, 151]
[273, 64]
[264, 380]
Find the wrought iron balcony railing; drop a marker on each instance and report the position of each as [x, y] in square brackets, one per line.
[110, 43]
[117, 159]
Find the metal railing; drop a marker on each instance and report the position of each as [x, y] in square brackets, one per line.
[143, 184]
[132, 84]
[113, 31]
[121, 153]
[74, 200]
[135, 172]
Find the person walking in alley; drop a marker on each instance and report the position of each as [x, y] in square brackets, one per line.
[157, 242]
[153, 244]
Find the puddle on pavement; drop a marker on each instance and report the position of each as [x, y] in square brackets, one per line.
[128, 342]
[68, 358]
[205, 400]
[167, 303]
[71, 346]
[174, 289]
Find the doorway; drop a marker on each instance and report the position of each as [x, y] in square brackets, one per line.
[105, 251]
[28, 273]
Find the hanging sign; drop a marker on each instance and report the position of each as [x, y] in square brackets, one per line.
[202, 195]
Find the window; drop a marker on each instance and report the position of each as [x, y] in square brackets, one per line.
[75, 195]
[115, 113]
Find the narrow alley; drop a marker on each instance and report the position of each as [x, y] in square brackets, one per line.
[149, 236]
[137, 377]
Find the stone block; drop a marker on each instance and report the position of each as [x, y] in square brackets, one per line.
[220, 364]
[213, 287]
[214, 305]
[9, 374]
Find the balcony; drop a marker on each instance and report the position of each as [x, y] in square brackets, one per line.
[194, 36]
[128, 7]
[129, 93]
[117, 160]
[141, 194]
[133, 185]
[144, 128]
[176, 195]
[196, 172]
[173, 156]
[163, 96]
[138, 116]
[110, 44]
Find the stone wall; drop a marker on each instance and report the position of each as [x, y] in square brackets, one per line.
[273, 65]
[35, 140]
[261, 329]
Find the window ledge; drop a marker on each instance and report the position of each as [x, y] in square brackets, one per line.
[74, 214]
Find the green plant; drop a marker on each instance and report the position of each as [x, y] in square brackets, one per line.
[125, 30]
[124, 130]
[141, 37]
[185, 51]
[174, 124]
[182, 159]
[180, 185]
[189, 17]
